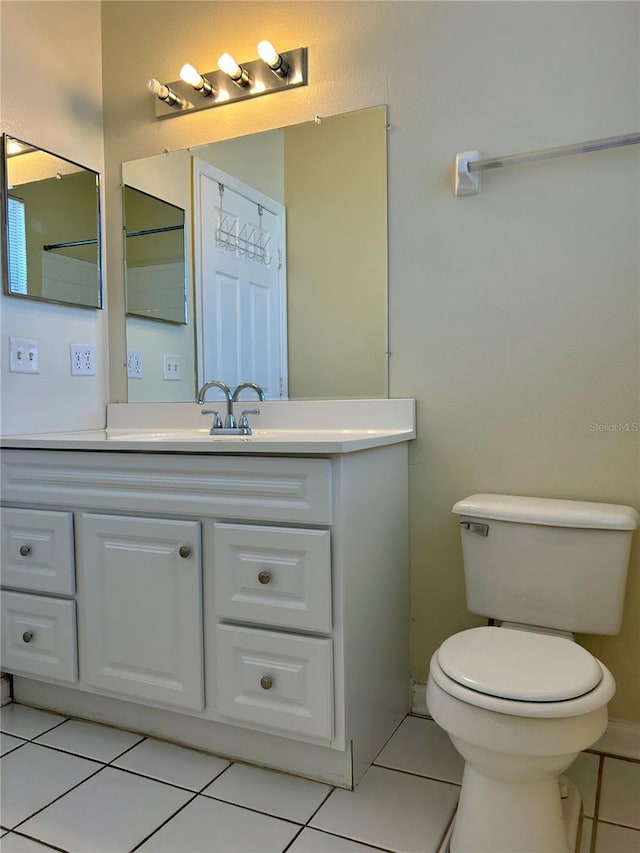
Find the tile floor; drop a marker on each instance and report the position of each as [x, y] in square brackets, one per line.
[77, 786]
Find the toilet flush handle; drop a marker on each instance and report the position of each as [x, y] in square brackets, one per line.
[474, 527]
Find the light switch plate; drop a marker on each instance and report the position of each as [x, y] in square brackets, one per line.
[23, 356]
[172, 367]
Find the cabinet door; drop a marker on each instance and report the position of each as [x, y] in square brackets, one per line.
[140, 608]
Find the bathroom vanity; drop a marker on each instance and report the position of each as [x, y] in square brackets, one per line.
[245, 596]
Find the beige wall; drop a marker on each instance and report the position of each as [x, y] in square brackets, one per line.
[51, 97]
[336, 194]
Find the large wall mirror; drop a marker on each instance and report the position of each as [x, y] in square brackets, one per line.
[285, 264]
[51, 227]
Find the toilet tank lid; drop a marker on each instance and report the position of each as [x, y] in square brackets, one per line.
[548, 511]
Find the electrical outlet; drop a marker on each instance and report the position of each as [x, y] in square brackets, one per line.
[172, 367]
[83, 360]
[135, 364]
[23, 356]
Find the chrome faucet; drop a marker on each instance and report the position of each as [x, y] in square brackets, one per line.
[230, 421]
[253, 386]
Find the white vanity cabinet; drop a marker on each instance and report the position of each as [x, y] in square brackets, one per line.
[252, 605]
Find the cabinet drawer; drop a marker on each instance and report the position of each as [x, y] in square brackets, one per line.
[274, 576]
[37, 550]
[275, 681]
[39, 636]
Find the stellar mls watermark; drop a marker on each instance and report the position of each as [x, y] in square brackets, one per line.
[618, 426]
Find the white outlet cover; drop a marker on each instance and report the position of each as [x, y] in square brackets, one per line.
[83, 359]
[135, 364]
[23, 356]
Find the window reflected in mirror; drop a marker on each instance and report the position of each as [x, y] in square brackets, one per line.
[51, 217]
[155, 273]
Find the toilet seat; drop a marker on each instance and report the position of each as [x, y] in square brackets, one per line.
[521, 665]
[596, 697]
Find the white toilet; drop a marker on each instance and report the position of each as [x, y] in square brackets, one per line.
[520, 701]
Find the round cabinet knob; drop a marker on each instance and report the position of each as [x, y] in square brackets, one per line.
[264, 576]
[184, 551]
[266, 682]
[25, 550]
[27, 636]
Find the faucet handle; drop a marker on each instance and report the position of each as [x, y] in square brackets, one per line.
[243, 423]
[217, 419]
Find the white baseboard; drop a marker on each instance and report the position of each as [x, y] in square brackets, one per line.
[419, 699]
[5, 689]
[622, 737]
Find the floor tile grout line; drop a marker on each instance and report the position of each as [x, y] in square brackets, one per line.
[418, 775]
[13, 749]
[64, 752]
[31, 739]
[39, 841]
[315, 812]
[348, 838]
[621, 825]
[142, 775]
[255, 811]
[55, 800]
[295, 837]
[446, 832]
[164, 823]
[143, 738]
[615, 755]
[395, 731]
[596, 807]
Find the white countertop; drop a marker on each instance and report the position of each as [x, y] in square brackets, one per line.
[310, 428]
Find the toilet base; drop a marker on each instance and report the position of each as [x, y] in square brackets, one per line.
[507, 817]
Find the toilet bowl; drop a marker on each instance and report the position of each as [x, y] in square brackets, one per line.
[519, 706]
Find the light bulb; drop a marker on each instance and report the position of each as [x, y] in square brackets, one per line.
[164, 93]
[157, 88]
[189, 74]
[238, 74]
[268, 53]
[193, 77]
[228, 64]
[13, 147]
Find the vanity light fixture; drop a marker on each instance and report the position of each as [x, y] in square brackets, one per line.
[165, 93]
[273, 72]
[193, 77]
[237, 73]
[268, 54]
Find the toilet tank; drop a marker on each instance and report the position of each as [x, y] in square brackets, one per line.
[546, 562]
